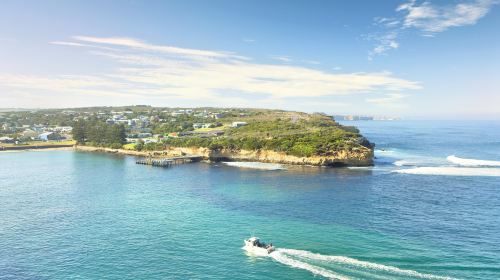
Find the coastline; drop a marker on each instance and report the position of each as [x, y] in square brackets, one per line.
[35, 147]
[362, 157]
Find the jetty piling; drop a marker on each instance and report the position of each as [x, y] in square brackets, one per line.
[168, 162]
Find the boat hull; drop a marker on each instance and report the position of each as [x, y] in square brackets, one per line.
[256, 250]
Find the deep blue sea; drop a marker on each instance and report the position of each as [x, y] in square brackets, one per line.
[428, 209]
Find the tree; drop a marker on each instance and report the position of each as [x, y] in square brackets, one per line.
[79, 132]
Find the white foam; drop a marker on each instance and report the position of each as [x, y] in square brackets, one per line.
[255, 165]
[282, 258]
[384, 152]
[360, 167]
[451, 171]
[472, 162]
[404, 163]
[404, 158]
[360, 264]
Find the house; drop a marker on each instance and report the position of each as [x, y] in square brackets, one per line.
[150, 140]
[5, 126]
[238, 124]
[132, 140]
[124, 122]
[176, 114]
[197, 125]
[208, 125]
[29, 134]
[144, 135]
[48, 136]
[6, 140]
[208, 134]
[217, 115]
[63, 129]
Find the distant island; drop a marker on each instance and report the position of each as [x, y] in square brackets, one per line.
[365, 118]
[274, 136]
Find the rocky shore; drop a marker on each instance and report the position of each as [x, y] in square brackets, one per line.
[359, 157]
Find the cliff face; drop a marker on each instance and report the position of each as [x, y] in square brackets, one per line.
[360, 157]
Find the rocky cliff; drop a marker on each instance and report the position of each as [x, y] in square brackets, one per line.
[355, 157]
[360, 157]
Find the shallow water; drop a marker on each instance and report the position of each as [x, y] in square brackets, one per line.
[91, 216]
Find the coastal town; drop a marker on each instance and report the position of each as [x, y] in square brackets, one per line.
[263, 135]
[143, 124]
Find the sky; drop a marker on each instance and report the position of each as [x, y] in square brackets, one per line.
[415, 59]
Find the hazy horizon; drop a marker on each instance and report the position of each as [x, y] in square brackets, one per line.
[400, 117]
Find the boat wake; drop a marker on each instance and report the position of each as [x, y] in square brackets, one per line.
[472, 162]
[340, 267]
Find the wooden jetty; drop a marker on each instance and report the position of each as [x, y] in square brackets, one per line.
[167, 162]
[155, 162]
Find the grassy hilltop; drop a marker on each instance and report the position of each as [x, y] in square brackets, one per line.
[293, 133]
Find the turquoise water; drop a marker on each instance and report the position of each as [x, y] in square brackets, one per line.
[73, 215]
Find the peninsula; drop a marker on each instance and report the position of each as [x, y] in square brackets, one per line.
[216, 134]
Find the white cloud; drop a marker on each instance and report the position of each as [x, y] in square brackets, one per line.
[147, 71]
[282, 58]
[427, 18]
[431, 18]
[73, 44]
[385, 43]
[140, 45]
[387, 22]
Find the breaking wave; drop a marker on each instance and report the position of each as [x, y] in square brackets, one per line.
[451, 171]
[255, 165]
[312, 262]
[404, 163]
[405, 158]
[472, 162]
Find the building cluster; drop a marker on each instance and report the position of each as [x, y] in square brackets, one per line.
[139, 122]
[15, 134]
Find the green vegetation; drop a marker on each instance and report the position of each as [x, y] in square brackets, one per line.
[293, 133]
[98, 133]
[154, 128]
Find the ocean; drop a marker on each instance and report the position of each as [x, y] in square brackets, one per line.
[428, 209]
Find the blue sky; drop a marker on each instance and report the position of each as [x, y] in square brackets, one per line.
[431, 59]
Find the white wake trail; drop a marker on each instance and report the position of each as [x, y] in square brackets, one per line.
[472, 162]
[361, 264]
[282, 258]
[301, 259]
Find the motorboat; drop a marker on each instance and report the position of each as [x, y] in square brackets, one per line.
[255, 246]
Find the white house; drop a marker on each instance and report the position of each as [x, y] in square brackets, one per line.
[238, 124]
[50, 136]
